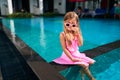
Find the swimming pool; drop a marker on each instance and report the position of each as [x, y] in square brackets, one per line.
[42, 34]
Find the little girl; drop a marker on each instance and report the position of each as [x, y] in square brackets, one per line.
[70, 39]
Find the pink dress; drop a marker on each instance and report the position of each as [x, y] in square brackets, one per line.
[74, 51]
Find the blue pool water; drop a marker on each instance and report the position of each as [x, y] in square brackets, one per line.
[42, 34]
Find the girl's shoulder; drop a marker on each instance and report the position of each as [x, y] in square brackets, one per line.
[62, 34]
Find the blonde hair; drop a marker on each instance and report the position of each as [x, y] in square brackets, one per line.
[68, 16]
[71, 15]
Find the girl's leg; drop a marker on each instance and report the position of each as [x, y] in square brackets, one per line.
[87, 71]
[82, 74]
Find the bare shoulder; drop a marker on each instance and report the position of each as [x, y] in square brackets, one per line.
[62, 35]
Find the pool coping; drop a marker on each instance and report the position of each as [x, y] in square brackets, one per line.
[52, 69]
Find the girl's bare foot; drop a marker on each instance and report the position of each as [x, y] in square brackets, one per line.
[93, 78]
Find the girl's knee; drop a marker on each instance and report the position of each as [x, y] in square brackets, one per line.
[83, 66]
[92, 62]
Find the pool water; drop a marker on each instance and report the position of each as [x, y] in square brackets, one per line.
[107, 67]
[42, 34]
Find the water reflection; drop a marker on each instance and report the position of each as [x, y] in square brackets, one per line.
[12, 28]
[42, 33]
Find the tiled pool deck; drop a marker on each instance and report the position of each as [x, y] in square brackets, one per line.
[23, 63]
[0, 74]
[19, 62]
[13, 66]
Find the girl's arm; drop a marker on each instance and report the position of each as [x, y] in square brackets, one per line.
[63, 44]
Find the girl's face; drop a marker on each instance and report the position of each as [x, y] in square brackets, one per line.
[70, 24]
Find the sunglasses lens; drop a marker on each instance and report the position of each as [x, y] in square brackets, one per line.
[67, 25]
[73, 25]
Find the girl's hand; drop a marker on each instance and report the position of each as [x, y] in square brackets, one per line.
[76, 31]
[76, 59]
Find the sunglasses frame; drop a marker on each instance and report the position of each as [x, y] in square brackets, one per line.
[70, 25]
